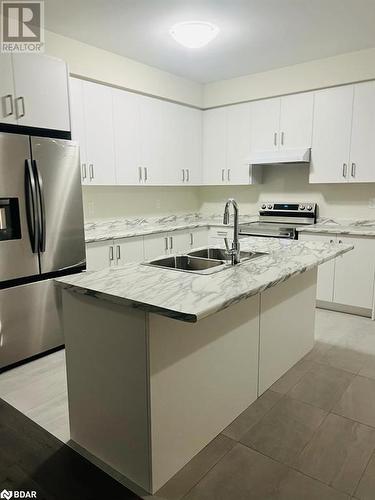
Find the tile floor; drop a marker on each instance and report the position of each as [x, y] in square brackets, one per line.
[310, 436]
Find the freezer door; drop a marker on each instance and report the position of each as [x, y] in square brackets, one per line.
[17, 259]
[30, 319]
[57, 169]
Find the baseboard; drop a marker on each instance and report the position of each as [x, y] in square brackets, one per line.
[333, 306]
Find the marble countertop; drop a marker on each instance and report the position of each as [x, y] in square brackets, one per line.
[125, 228]
[191, 297]
[354, 227]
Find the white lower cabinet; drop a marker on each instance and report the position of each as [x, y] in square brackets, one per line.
[174, 242]
[216, 235]
[128, 250]
[99, 255]
[347, 280]
[354, 273]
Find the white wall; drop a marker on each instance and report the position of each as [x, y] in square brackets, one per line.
[107, 202]
[97, 64]
[346, 68]
[290, 183]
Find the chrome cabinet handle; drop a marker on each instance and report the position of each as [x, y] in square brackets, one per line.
[191, 239]
[22, 101]
[344, 170]
[8, 98]
[84, 173]
[187, 174]
[146, 174]
[275, 139]
[118, 252]
[282, 138]
[340, 241]
[140, 174]
[183, 175]
[222, 174]
[170, 242]
[91, 171]
[111, 253]
[166, 243]
[331, 241]
[228, 174]
[353, 170]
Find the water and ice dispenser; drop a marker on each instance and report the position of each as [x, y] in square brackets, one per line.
[10, 228]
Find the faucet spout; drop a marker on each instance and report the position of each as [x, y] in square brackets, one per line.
[235, 250]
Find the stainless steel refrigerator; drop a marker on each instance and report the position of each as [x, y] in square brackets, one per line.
[41, 237]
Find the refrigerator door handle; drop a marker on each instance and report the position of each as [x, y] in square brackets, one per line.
[42, 212]
[31, 208]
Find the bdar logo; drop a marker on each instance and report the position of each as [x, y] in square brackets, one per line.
[6, 494]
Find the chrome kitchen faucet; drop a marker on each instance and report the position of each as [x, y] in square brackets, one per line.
[234, 252]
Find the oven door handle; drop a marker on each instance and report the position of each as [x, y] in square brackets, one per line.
[31, 206]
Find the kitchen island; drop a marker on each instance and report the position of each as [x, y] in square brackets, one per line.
[160, 361]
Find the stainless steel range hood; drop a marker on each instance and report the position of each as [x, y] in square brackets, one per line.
[280, 157]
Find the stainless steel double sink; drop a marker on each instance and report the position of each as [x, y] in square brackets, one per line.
[204, 261]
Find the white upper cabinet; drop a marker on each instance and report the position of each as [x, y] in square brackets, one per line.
[191, 160]
[151, 138]
[172, 153]
[99, 133]
[265, 118]
[296, 121]
[238, 143]
[127, 146]
[77, 117]
[331, 135]
[362, 150]
[41, 91]
[7, 110]
[214, 146]
[34, 91]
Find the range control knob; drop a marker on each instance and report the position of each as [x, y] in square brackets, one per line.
[309, 207]
[302, 207]
[264, 206]
[269, 207]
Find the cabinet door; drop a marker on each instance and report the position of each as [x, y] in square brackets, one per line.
[331, 135]
[173, 151]
[126, 130]
[151, 139]
[7, 110]
[326, 271]
[191, 154]
[99, 133]
[179, 242]
[214, 146]
[77, 118]
[354, 274]
[362, 153]
[155, 245]
[129, 250]
[296, 120]
[41, 91]
[265, 123]
[99, 255]
[238, 143]
[198, 237]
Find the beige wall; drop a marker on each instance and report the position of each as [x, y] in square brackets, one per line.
[346, 68]
[107, 67]
[290, 183]
[107, 202]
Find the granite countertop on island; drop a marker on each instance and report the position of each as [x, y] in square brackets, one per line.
[350, 227]
[191, 297]
[126, 228]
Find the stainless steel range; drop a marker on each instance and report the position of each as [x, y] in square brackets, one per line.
[280, 220]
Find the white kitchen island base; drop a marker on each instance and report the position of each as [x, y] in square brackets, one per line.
[147, 392]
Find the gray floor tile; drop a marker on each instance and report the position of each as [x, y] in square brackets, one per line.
[318, 351]
[345, 358]
[338, 453]
[366, 487]
[251, 415]
[358, 401]
[244, 474]
[322, 386]
[188, 476]
[368, 370]
[291, 377]
[285, 430]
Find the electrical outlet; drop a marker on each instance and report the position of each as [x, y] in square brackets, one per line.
[371, 203]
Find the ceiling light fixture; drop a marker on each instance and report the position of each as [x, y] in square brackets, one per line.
[194, 34]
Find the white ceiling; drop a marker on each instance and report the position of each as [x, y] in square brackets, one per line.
[255, 35]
